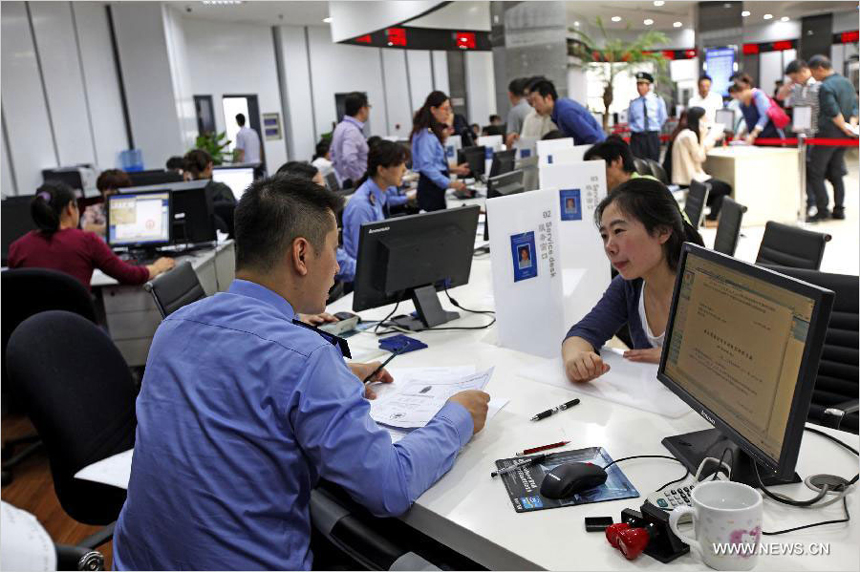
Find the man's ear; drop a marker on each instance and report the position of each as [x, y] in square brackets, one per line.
[300, 254]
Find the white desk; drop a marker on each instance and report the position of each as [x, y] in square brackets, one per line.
[764, 179]
[130, 312]
[471, 513]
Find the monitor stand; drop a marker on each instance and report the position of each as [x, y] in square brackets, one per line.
[692, 448]
[429, 309]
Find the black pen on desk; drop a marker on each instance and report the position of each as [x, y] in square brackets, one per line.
[515, 466]
[562, 407]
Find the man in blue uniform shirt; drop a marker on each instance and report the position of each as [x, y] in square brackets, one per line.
[572, 119]
[242, 411]
[646, 116]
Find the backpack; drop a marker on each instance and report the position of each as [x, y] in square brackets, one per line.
[777, 114]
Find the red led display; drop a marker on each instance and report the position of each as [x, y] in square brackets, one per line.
[396, 36]
[850, 37]
[364, 39]
[750, 49]
[466, 40]
[784, 45]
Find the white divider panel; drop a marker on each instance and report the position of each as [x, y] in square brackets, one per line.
[452, 145]
[578, 188]
[548, 145]
[493, 143]
[527, 286]
[564, 155]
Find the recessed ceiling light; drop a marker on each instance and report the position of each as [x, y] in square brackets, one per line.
[327, 20]
[221, 2]
[767, 16]
[648, 21]
[616, 18]
[784, 19]
[745, 13]
[658, 3]
[576, 23]
[678, 24]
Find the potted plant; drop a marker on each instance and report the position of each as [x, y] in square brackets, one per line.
[214, 144]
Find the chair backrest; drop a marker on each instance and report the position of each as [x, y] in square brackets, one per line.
[694, 205]
[839, 368]
[641, 166]
[729, 228]
[224, 212]
[791, 246]
[175, 289]
[80, 397]
[657, 171]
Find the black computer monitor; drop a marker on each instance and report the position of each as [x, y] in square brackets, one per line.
[503, 162]
[15, 221]
[153, 177]
[331, 182]
[415, 256]
[475, 156]
[139, 220]
[505, 184]
[742, 347]
[193, 211]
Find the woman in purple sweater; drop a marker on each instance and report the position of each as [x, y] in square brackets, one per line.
[643, 231]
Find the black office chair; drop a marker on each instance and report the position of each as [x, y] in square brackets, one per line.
[834, 399]
[729, 227]
[697, 198]
[641, 166]
[656, 170]
[791, 246]
[175, 289]
[28, 291]
[80, 396]
[224, 217]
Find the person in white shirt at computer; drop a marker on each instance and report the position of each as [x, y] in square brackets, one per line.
[708, 100]
[322, 158]
[247, 142]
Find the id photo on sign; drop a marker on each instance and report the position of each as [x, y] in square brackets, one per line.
[524, 258]
[571, 204]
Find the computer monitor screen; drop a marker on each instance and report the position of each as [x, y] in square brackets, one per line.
[726, 117]
[15, 221]
[742, 347]
[415, 256]
[153, 177]
[331, 182]
[505, 184]
[503, 162]
[139, 219]
[238, 179]
[475, 156]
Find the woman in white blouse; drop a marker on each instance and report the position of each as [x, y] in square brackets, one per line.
[689, 151]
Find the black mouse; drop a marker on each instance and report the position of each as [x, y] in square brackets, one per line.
[566, 480]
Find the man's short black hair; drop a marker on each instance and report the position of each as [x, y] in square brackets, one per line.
[530, 82]
[273, 212]
[301, 169]
[240, 119]
[554, 134]
[610, 150]
[175, 163]
[545, 87]
[704, 77]
[354, 102]
[795, 66]
[518, 86]
[820, 62]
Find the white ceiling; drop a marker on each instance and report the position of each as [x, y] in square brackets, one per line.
[308, 13]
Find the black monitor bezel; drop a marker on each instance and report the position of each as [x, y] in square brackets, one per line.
[492, 183]
[147, 244]
[362, 300]
[496, 164]
[823, 299]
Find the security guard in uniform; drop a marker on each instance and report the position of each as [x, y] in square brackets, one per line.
[646, 116]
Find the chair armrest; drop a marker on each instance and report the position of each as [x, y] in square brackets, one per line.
[833, 416]
[78, 558]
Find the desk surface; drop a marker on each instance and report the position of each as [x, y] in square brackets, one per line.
[752, 151]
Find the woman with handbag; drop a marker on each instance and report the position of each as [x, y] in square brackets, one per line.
[763, 118]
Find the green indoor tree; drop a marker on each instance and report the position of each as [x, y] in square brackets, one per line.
[616, 56]
[214, 144]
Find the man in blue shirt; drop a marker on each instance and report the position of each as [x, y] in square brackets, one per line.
[242, 410]
[348, 146]
[646, 116]
[572, 119]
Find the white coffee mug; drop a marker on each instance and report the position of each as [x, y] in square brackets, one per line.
[727, 520]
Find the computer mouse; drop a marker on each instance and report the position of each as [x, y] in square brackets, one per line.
[566, 480]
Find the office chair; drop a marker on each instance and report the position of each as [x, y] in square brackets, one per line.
[80, 395]
[729, 227]
[834, 399]
[28, 291]
[697, 198]
[791, 246]
[175, 289]
[641, 166]
[224, 217]
[657, 171]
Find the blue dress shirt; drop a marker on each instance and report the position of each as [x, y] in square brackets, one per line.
[240, 413]
[346, 265]
[576, 121]
[656, 113]
[428, 158]
[367, 204]
[394, 197]
[349, 150]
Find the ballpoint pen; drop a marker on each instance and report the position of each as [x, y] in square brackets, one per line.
[542, 448]
[393, 355]
[562, 407]
[515, 466]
